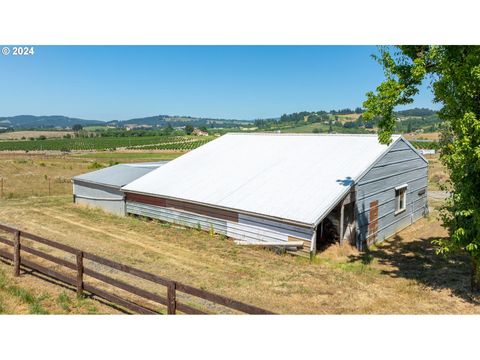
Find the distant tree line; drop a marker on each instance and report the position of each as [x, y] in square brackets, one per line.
[416, 112]
[347, 111]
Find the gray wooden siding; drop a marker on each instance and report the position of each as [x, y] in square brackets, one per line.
[401, 165]
[99, 196]
[248, 228]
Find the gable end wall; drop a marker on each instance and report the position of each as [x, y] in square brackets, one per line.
[400, 165]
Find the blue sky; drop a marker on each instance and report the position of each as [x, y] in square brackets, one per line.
[234, 82]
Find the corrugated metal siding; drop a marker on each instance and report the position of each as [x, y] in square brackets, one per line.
[401, 165]
[99, 196]
[248, 228]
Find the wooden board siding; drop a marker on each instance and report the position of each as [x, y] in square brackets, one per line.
[145, 199]
[202, 210]
[183, 205]
[373, 221]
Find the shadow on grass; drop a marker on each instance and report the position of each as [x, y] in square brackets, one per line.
[417, 260]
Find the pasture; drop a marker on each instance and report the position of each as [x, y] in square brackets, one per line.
[401, 276]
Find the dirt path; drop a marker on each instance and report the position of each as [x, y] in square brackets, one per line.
[123, 238]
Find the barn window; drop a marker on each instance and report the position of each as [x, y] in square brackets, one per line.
[400, 198]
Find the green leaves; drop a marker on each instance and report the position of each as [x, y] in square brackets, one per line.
[455, 74]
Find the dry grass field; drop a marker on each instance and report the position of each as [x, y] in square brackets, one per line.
[436, 173]
[348, 117]
[26, 175]
[401, 276]
[18, 135]
[434, 136]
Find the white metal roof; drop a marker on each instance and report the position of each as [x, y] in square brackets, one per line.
[118, 175]
[294, 177]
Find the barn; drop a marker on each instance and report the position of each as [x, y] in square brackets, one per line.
[289, 189]
[102, 188]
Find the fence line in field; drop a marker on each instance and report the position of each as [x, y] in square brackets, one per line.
[48, 187]
[170, 301]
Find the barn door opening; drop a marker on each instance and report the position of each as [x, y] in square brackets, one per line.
[339, 226]
[327, 233]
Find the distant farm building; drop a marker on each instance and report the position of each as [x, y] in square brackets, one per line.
[102, 188]
[289, 189]
[199, 132]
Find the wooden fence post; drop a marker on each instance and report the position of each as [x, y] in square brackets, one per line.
[16, 254]
[80, 274]
[171, 298]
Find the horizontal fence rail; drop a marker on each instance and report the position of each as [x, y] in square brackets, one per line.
[170, 301]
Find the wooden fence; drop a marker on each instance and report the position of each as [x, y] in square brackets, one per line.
[171, 301]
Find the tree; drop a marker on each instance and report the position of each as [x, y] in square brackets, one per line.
[77, 127]
[168, 129]
[409, 127]
[189, 129]
[454, 73]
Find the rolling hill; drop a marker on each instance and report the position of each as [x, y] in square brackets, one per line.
[52, 121]
[59, 121]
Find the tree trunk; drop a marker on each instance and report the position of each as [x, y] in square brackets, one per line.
[475, 281]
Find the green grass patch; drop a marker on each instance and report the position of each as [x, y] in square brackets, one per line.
[94, 127]
[21, 293]
[37, 309]
[358, 267]
[3, 280]
[64, 301]
[34, 302]
[95, 165]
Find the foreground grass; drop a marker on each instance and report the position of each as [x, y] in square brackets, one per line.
[28, 294]
[403, 275]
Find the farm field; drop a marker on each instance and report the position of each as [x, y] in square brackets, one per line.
[433, 136]
[343, 118]
[18, 135]
[309, 128]
[401, 276]
[104, 143]
[129, 156]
